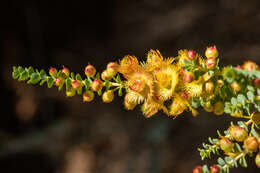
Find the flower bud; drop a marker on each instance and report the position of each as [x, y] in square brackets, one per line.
[88, 96]
[208, 106]
[214, 169]
[219, 108]
[226, 144]
[238, 67]
[65, 71]
[250, 66]
[112, 68]
[53, 71]
[105, 76]
[251, 143]
[108, 96]
[257, 160]
[58, 81]
[211, 52]
[238, 133]
[209, 87]
[90, 71]
[96, 85]
[198, 169]
[256, 83]
[76, 84]
[128, 102]
[236, 87]
[188, 77]
[70, 93]
[220, 82]
[191, 54]
[211, 62]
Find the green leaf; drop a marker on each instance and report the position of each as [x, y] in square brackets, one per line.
[42, 82]
[243, 124]
[258, 91]
[243, 162]
[30, 70]
[68, 84]
[234, 101]
[78, 77]
[228, 108]
[50, 81]
[43, 74]
[20, 69]
[255, 133]
[205, 169]
[72, 75]
[79, 91]
[250, 88]
[250, 96]
[221, 161]
[241, 99]
[15, 74]
[35, 78]
[24, 76]
[120, 92]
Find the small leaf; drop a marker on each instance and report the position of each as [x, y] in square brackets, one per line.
[68, 84]
[50, 81]
[42, 82]
[120, 92]
[221, 161]
[35, 78]
[241, 99]
[78, 77]
[243, 162]
[43, 74]
[250, 96]
[23, 76]
[234, 101]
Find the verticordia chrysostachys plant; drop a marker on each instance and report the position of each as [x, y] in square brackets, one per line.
[188, 81]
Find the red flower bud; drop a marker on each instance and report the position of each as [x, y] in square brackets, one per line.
[76, 84]
[211, 52]
[238, 67]
[214, 169]
[90, 71]
[59, 81]
[256, 83]
[88, 96]
[65, 71]
[53, 71]
[226, 144]
[108, 96]
[238, 133]
[191, 54]
[257, 160]
[105, 75]
[188, 77]
[251, 143]
[96, 85]
[198, 169]
[112, 68]
[211, 62]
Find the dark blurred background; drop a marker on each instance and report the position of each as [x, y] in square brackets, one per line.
[42, 131]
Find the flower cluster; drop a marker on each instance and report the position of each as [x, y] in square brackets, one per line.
[173, 85]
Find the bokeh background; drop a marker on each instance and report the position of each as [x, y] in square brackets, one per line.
[43, 131]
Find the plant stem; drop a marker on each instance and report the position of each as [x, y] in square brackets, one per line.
[242, 154]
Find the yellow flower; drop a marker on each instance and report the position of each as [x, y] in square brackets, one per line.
[128, 65]
[141, 85]
[166, 79]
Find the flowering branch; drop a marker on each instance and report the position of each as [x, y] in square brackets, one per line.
[187, 81]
